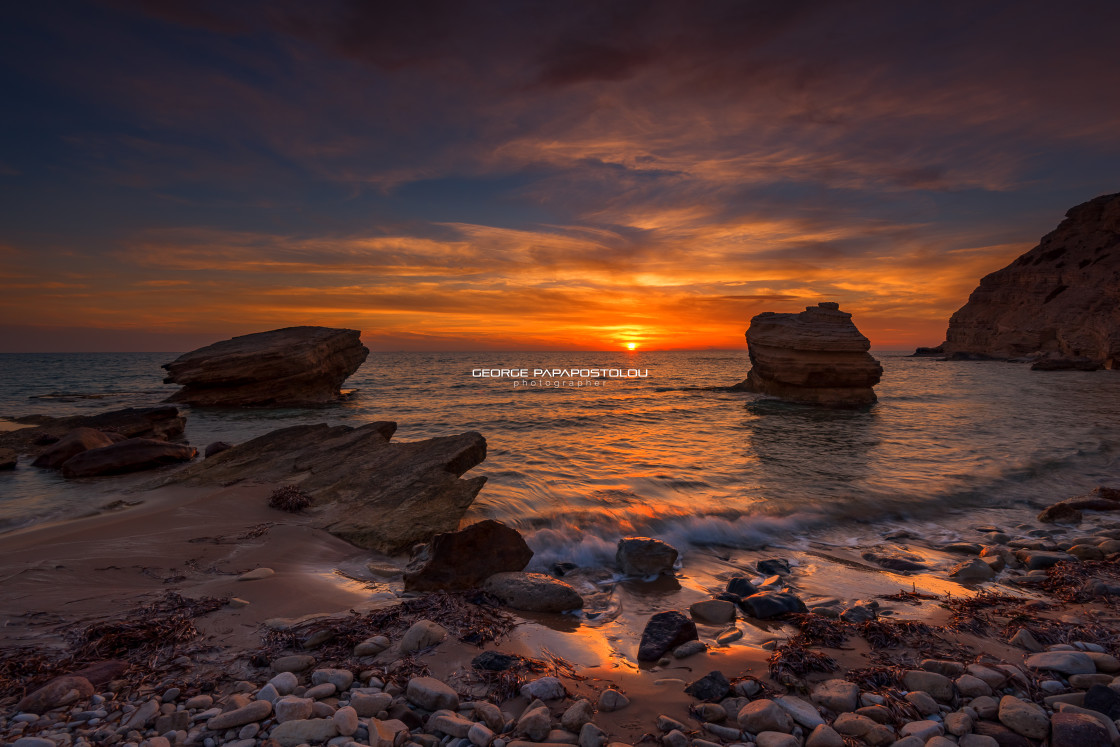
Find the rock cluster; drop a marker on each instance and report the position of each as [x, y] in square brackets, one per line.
[815, 357]
[1060, 301]
[294, 366]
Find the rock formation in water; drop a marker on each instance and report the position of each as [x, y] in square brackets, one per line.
[130, 455]
[163, 423]
[375, 494]
[294, 366]
[1060, 300]
[816, 357]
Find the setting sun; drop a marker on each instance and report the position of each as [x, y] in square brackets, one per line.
[631, 346]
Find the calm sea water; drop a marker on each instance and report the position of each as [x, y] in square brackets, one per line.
[674, 455]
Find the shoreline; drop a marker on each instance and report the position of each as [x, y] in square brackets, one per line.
[197, 542]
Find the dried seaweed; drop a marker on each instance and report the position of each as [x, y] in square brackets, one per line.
[791, 661]
[150, 630]
[908, 597]
[289, 498]
[873, 679]
[1067, 580]
[882, 633]
[819, 630]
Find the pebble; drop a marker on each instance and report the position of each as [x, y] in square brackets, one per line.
[256, 574]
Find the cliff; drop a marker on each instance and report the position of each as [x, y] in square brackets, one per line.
[1059, 300]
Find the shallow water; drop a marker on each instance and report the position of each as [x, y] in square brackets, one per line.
[674, 455]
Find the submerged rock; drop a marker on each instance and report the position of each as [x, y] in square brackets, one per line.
[8, 458]
[466, 558]
[294, 366]
[375, 494]
[815, 357]
[1060, 298]
[130, 455]
[1069, 510]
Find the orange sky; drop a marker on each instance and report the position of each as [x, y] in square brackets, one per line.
[447, 176]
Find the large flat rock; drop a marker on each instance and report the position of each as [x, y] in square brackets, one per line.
[815, 357]
[294, 366]
[1060, 299]
[375, 494]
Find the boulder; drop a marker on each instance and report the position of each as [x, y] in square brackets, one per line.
[72, 444]
[61, 691]
[815, 357]
[466, 558]
[533, 592]
[378, 495]
[8, 459]
[431, 694]
[1023, 717]
[1059, 298]
[1077, 730]
[294, 366]
[1064, 662]
[664, 632]
[130, 455]
[642, 556]
[713, 611]
[764, 715]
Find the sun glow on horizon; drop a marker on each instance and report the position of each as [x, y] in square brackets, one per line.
[631, 346]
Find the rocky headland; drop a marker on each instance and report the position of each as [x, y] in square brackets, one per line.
[294, 366]
[816, 357]
[1059, 303]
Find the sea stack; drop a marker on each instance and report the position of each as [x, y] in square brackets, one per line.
[815, 357]
[1059, 302]
[290, 367]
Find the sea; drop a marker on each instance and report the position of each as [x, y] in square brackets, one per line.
[576, 462]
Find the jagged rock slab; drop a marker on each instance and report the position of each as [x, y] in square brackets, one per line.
[815, 357]
[72, 444]
[1060, 300]
[130, 455]
[378, 495]
[164, 423]
[294, 366]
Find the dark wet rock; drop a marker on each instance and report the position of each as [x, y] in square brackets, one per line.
[815, 357]
[8, 459]
[466, 558]
[494, 661]
[294, 366]
[533, 592]
[60, 691]
[664, 632]
[72, 444]
[767, 604]
[934, 352]
[741, 586]
[375, 494]
[130, 455]
[643, 556]
[563, 568]
[1077, 730]
[1060, 298]
[1098, 587]
[1037, 560]
[217, 448]
[1069, 510]
[711, 688]
[1103, 699]
[773, 566]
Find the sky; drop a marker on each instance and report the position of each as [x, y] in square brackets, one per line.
[533, 175]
